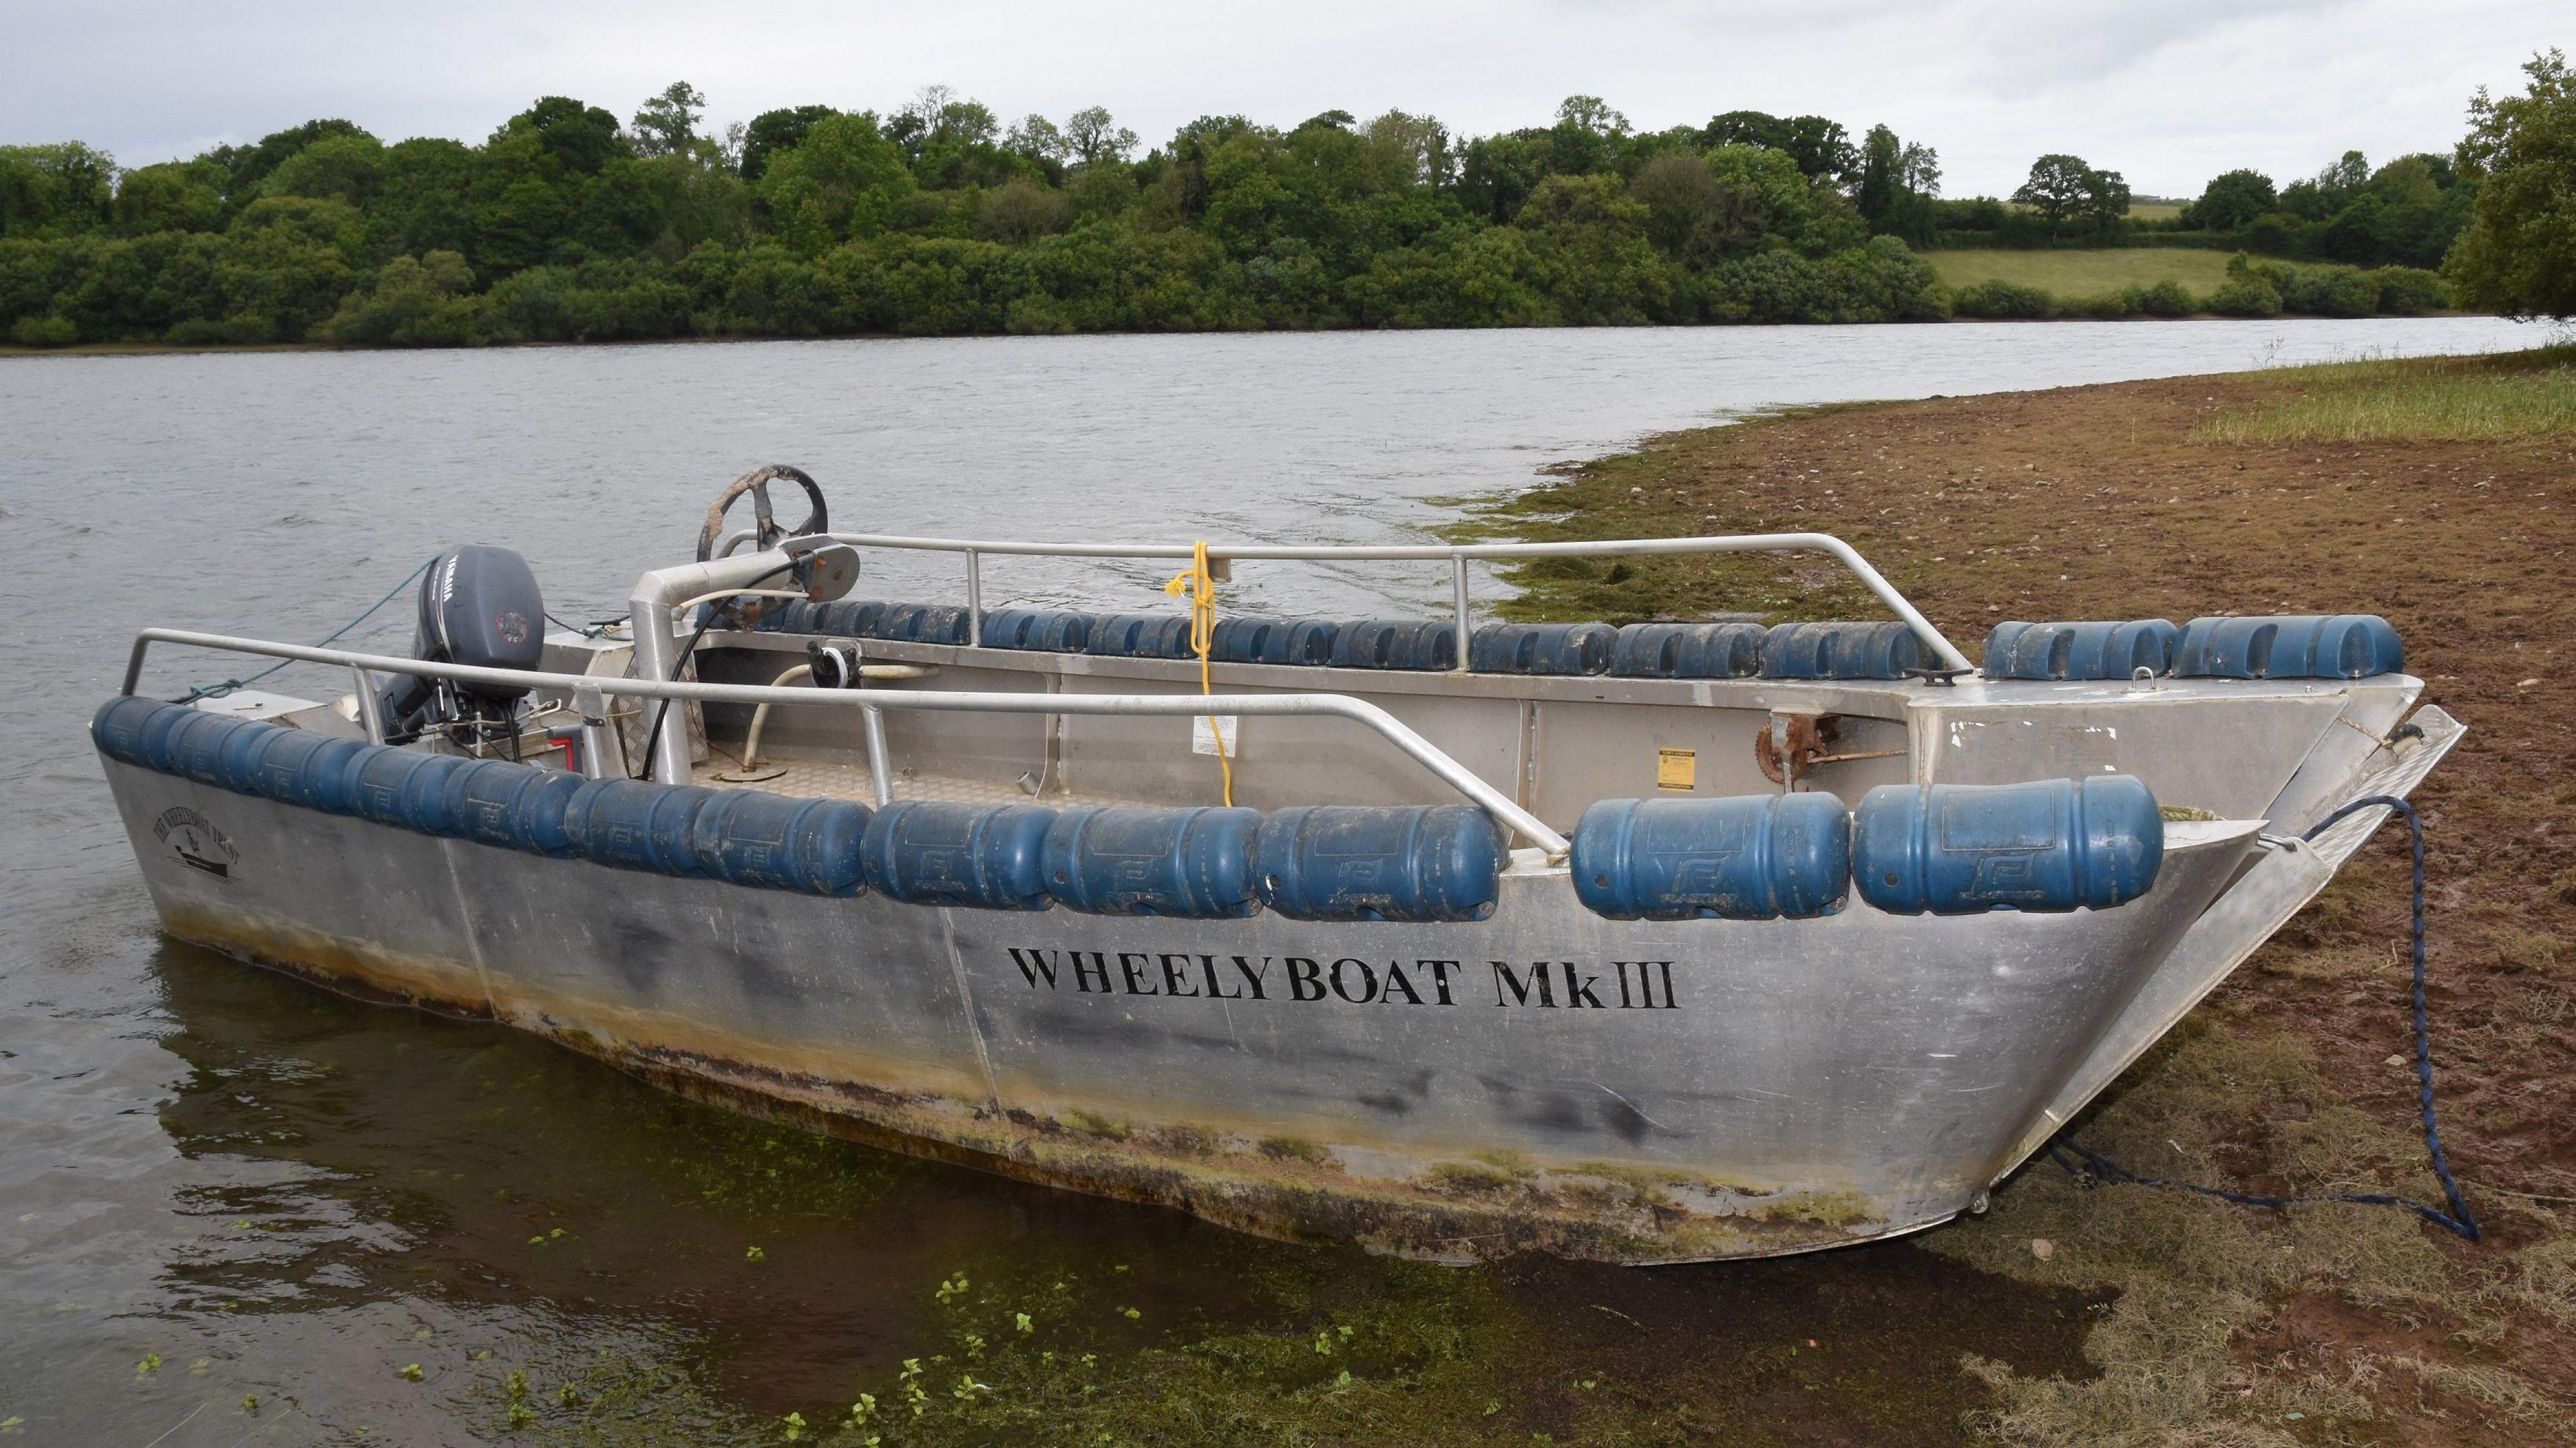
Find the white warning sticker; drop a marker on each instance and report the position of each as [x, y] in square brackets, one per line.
[1215, 734]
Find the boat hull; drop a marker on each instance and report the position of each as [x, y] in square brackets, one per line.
[1546, 1079]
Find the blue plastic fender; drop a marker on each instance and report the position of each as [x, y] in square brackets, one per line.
[2080, 650]
[931, 852]
[1117, 860]
[1841, 651]
[322, 780]
[1243, 639]
[636, 824]
[779, 842]
[124, 727]
[1688, 651]
[2052, 844]
[1396, 643]
[402, 787]
[2307, 646]
[513, 806]
[1364, 862]
[1542, 648]
[1750, 857]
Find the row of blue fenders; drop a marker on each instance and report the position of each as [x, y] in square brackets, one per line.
[2092, 843]
[2312, 646]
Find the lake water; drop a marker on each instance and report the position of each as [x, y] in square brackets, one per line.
[216, 1184]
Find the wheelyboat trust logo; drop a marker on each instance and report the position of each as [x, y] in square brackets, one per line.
[194, 838]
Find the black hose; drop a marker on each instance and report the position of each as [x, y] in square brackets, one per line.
[2067, 1151]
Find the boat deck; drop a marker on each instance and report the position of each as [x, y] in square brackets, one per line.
[835, 779]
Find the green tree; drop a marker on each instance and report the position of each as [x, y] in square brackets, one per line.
[839, 181]
[1821, 148]
[61, 189]
[348, 168]
[1094, 136]
[2518, 255]
[2060, 186]
[173, 196]
[1898, 184]
[2106, 197]
[1039, 139]
[250, 165]
[771, 132]
[2230, 200]
[1414, 148]
[580, 138]
[668, 123]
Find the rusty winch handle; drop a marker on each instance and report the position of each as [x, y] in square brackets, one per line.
[766, 533]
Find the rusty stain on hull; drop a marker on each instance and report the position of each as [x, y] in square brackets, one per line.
[1450, 1210]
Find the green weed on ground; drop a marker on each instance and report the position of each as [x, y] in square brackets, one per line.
[2517, 395]
[2195, 1350]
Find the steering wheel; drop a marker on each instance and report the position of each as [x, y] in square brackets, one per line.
[766, 533]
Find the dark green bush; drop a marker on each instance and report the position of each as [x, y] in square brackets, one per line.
[2246, 297]
[2406, 291]
[2002, 300]
[2167, 298]
[2331, 292]
[44, 332]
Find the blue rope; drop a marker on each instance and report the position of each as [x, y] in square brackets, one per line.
[2068, 1152]
[217, 691]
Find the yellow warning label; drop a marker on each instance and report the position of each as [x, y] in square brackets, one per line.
[1676, 769]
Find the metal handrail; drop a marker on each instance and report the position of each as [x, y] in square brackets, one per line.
[1459, 555]
[1430, 756]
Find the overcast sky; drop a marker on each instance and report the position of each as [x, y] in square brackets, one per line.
[2168, 92]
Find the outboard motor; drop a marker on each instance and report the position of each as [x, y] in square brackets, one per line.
[479, 606]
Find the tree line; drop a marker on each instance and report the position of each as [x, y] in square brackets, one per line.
[938, 217]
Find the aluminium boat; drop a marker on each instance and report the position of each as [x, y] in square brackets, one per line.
[1663, 942]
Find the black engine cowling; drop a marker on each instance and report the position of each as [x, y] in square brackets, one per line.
[479, 606]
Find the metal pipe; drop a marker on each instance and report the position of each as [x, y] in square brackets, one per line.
[880, 760]
[974, 599]
[1842, 552]
[684, 605]
[371, 713]
[1458, 596]
[1422, 751]
[600, 741]
[652, 606]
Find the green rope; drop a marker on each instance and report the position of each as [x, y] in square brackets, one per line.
[217, 691]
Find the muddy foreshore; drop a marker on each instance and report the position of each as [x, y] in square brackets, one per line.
[2144, 499]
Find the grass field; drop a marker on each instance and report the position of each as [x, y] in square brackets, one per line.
[2155, 210]
[2084, 273]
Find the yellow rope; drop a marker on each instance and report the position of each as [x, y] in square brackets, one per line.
[1199, 586]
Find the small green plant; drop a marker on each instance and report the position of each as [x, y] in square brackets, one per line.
[754, 1254]
[411, 1372]
[151, 1364]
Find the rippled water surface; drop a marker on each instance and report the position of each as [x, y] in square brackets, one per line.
[217, 1184]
